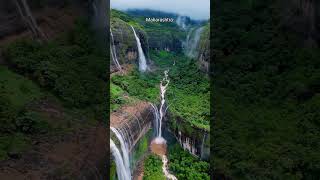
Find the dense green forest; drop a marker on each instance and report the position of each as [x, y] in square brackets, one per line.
[153, 168]
[189, 88]
[266, 94]
[185, 166]
[66, 74]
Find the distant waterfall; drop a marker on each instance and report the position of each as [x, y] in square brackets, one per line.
[181, 21]
[142, 58]
[121, 169]
[192, 42]
[122, 161]
[114, 53]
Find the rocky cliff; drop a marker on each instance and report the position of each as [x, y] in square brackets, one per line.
[125, 42]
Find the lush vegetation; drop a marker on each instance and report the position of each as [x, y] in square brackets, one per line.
[16, 92]
[188, 93]
[67, 74]
[153, 168]
[266, 95]
[140, 86]
[73, 67]
[141, 148]
[185, 166]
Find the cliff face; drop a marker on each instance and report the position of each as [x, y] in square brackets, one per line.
[194, 140]
[168, 41]
[125, 42]
[133, 120]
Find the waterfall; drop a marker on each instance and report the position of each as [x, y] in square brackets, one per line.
[156, 118]
[142, 58]
[114, 53]
[163, 89]
[124, 148]
[120, 165]
[191, 43]
[160, 113]
[181, 21]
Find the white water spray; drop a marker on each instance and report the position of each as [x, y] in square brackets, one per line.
[121, 169]
[142, 59]
[124, 148]
[163, 88]
[181, 21]
[160, 113]
[114, 53]
[192, 42]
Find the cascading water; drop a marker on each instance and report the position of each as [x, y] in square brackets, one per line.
[142, 58]
[114, 53]
[120, 165]
[163, 89]
[123, 167]
[192, 42]
[159, 114]
[124, 147]
[181, 21]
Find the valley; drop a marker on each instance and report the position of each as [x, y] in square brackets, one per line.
[174, 87]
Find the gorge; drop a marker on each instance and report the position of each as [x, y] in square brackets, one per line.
[159, 112]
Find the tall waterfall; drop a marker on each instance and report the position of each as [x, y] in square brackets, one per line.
[122, 161]
[121, 169]
[114, 53]
[192, 42]
[163, 88]
[160, 113]
[142, 59]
